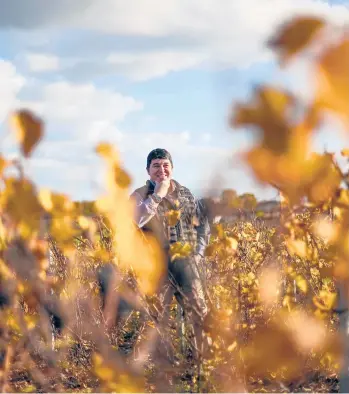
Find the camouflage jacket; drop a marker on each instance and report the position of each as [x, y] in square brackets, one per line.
[179, 217]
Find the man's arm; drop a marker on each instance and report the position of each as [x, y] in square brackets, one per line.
[145, 209]
[203, 229]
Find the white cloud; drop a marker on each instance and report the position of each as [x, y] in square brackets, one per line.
[206, 137]
[82, 104]
[147, 65]
[105, 130]
[10, 84]
[75, 179]
[40, 62]
[184, 34]
[138, 143]
[205, 19]
[77, 116]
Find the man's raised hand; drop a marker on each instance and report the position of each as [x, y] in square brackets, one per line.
[161, 188]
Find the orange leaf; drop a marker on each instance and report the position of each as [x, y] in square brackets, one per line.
[332, 91]
[230, 244]
[107, 151]
[270, 111]
[325, 300]
[29, 130]
[294, 36]
[121, 177]
[325, 178]
[345, 152]
[3, 165]
[20, 202]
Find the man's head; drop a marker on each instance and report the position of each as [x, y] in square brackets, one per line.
[159, 165]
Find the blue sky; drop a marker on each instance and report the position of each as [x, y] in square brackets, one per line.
[146, 74]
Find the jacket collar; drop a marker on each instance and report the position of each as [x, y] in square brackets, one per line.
[176, 184]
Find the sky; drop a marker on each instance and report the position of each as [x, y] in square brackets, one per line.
[145, 74]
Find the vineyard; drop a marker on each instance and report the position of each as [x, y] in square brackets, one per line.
[78, 281]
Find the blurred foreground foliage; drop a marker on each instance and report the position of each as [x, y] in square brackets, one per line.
[272, 285]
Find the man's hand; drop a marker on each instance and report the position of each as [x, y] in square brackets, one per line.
[161, 188]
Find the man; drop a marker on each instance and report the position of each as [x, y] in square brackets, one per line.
[172, 213]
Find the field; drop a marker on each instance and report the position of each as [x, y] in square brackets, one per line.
[253, 289]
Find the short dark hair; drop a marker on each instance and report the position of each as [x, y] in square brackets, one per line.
[158, 153]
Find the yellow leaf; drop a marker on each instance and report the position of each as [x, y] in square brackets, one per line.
[343, 198]
[83, 222]
[127, 384]
[325, 178]
[28, 389]
[108, 152]
[105, 150]
[301, 283]
[121, 177]
[269, 110]
[332, 91]
[219, 230]
[325, 301]
[282, 156]
[180, 251]
[28, 129]
[62, 230]
[20, 201]
[287, 302]
[151, 324]
[45, 198]
[104, 373]
[295, 35]
[115, 380]
[173, 217]
[251, 277]
[134, 249]
[63, 215]
[31, 321]
[12, 323]
[97, 359]
[3, 165]
[62, 203]
[211, 249]
[100, 255]
[5, 272]
[231, 244]
[232, 346]
[297, 247]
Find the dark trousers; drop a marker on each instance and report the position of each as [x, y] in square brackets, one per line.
[183, 281]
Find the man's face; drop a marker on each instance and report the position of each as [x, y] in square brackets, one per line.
[160, 169]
